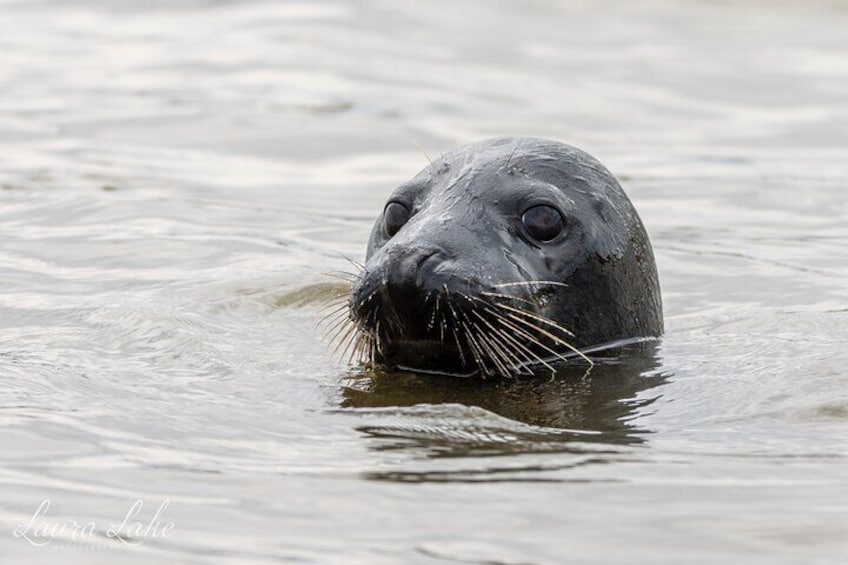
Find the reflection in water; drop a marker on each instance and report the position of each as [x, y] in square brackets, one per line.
[442, 417]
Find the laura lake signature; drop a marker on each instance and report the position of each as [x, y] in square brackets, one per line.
[41, 530]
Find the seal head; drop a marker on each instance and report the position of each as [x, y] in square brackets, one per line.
[502, 257]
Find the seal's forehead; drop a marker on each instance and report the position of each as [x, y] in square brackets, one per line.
[505, 149]
[540, 158]
[502, 164]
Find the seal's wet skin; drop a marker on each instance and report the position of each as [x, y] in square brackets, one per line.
[504, 257]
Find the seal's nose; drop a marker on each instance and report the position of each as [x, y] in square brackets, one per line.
[400, 283]
[414, 274]
[411, 286]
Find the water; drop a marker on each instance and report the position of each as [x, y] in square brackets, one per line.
[177, 175]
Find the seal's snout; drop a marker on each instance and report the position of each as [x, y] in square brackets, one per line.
[412, 299]
[398, 284]
[417, 272]
[413, 280]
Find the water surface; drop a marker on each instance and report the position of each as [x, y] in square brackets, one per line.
[175, 174]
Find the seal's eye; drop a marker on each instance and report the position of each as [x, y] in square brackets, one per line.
[394, 217]
[542, 222]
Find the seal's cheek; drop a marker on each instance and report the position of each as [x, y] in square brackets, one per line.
[548, 263]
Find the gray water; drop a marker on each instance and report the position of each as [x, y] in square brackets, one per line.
[176, 177]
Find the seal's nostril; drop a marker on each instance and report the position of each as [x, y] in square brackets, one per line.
[426, 254]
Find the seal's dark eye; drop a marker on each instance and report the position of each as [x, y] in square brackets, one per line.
[394, 217]
[542, 222]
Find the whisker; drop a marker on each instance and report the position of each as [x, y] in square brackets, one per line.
[353, 262]
[476, 353]
[342, 346]
[431, 323]
[442, 320]
[359, 348]
[552, 337]
[371, 359]
[502, 363]
[499, 356]
[531, 283]
[499, 317]
[473, 332]
[452, 313]
[536, 317]
[348, 339]
[502, 338]
[357, 342]
[337, 312]
[337, 330]
[478, 346]
[333, 303]
[344, 331]
[338, 295]
[511, 153]
[459, 345]
[340, 320]
[532, 339]
[537, 359]
[509, 297]
[344, 276]
[377, 337]
[531, 357]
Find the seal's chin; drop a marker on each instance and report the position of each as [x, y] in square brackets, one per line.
[429, 356]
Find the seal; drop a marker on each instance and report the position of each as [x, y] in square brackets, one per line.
[504, 257]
